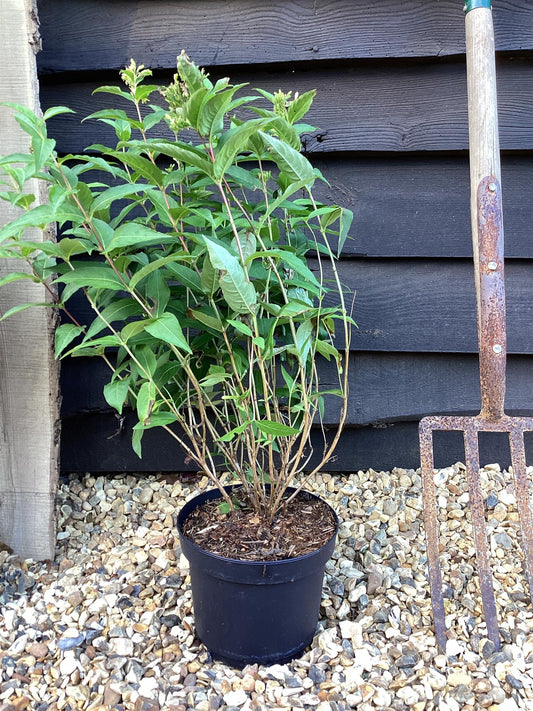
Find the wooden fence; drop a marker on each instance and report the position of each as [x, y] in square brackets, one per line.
[391, 107]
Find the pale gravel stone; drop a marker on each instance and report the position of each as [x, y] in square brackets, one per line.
[381, 697]
[408, 695]
[68, 665]
[236, 698]
[454, 648]
[457, 678]
[119, 594]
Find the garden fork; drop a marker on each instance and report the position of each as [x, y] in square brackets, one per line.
[487, 240]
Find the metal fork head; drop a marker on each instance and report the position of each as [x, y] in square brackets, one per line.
[471, 427]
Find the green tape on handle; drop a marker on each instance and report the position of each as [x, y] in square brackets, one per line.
[473, 4]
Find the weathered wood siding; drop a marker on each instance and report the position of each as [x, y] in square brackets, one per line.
[393, 140]
[29, 388]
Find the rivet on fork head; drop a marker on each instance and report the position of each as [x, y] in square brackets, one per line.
[493, 187]
[497, 348]
[492, 266]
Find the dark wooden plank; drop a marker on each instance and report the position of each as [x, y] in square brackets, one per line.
[389, 387]
[249, 31]
[405, 107]
[418, 205]
[86, 447]
[412, 305]
[384, 387]
[412, 205]
[428, 306]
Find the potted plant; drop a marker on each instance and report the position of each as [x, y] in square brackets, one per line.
[210, 272]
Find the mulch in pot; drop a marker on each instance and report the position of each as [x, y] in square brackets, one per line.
[301, 526]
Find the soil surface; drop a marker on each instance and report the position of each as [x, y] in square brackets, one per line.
[301, 526]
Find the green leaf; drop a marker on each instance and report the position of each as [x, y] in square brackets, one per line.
[146, 359]
[104, 232]
[280, 201]
[68, 292]
[289, 380]
[134, 234]
[55, 111]
[211, 117]
[118, 310]
[208, 277]
[159, 419]
[38, 216]
[142, 93]
[326, 349]
[300, 106]
[239, 294]
[327, 215]
[150, 120]
[92, 275]
[116, 393]
[292, 260]
[289, 160]
[140, 165]
[234, 432]
[187, 276]
[209, 319]
[112, 115]
[107, 197]
[167, 328]
[243, 177]
[212, 379]
[132, 329]
[22, 307]
[136, 439]
[13, 158]
[70, 247]
[281, 128]
[27, 119]
[337, 392]
[145, 400]
[22, 249]
[157, 291]
[151, 267]
[345, 223]
[16, 276]
[247, 244]
[42, 150]
[277, 429]
[117, 91]
[24, 200]
[184, 153]
[241, 327]
[238, 291]
[233, 142]
[193, 105]
[95, 347]
[165, 374]
[190, 74]
[64, 335]
[303, 340]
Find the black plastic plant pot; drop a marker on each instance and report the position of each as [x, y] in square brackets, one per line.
[254, 612]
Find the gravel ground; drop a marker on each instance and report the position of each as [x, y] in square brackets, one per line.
[109, 624]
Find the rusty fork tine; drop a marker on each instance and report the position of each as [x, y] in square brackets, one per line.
[518, 460]
[488, 252]
[432, 534]
[479, 528]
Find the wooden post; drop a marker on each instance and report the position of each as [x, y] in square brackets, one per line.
[28, 372]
